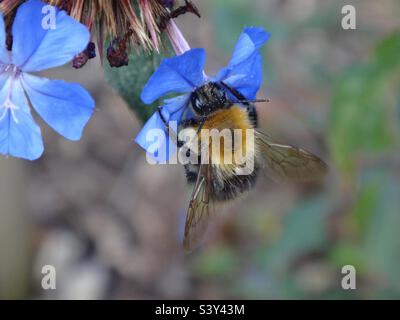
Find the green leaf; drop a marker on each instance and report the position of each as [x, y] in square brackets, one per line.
[348, 254]
[129, 80]
[387, 53]
[361, 113]
[375, 250]
[382, 242]
[365, 207]
[217, 261]
[297, 238]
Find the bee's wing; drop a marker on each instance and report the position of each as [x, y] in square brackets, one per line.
[283, 162]
[200, 209]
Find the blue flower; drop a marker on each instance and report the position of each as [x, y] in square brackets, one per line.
[184, 73]
[63, 106]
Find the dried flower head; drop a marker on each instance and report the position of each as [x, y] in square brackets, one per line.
[116, 18]
[129, 23]
[7, 6]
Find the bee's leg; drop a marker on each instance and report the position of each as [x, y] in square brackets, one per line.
[194, 123]
[186, 123]
[159, 110]
[201, 124]
[189, 123]
[180, 144]
[251, 109]
[171, 133]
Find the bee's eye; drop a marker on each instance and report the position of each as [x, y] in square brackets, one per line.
[198, 104]
[218, 93]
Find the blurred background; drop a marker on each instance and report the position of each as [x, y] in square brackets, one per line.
[111, 224]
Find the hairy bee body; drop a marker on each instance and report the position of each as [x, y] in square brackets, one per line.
[226, 183]
[217, 106]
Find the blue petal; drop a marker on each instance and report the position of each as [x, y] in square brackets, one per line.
[179, 74]
[257, 35]
[247, 77]
[176, 107]
[162, 149]
[37, 47]
[4, 77]
[66, 107]
[249, 42]
[244, 71]
[2, 32]
[19, 135]
[3, 49]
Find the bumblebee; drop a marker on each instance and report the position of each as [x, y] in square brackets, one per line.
[216, 105]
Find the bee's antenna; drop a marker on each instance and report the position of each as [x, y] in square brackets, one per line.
[252, 101]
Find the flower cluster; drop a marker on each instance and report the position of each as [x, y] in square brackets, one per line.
[184, 73]
[129, 24]
[65, 107]
[68, 107]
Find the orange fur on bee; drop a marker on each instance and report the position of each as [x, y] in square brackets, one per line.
[235, 117]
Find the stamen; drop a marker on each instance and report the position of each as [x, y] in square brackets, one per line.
[14, 72]
[8, 105]
[2, 67]
[11, 68]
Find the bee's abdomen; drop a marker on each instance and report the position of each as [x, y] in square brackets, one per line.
[226, 188]
[226, 184]
[233, 186]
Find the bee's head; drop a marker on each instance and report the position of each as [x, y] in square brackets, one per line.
[208, 98]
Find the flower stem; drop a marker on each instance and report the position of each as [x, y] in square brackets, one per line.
[178, 41]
